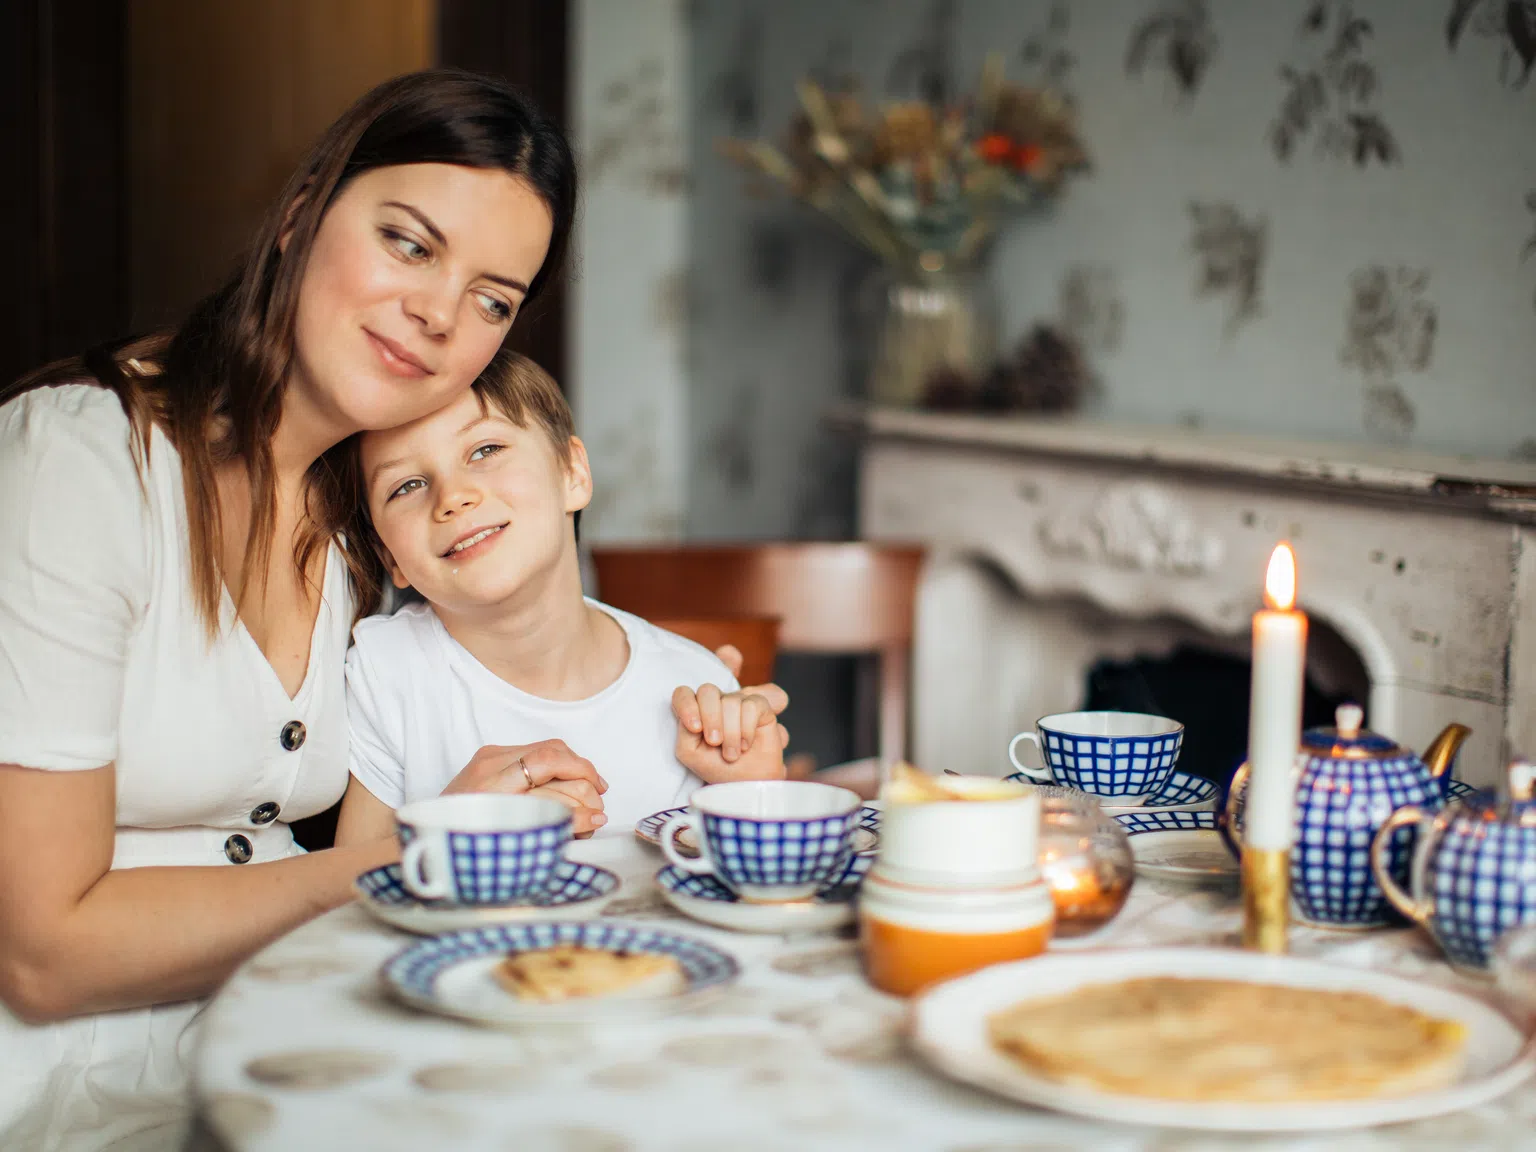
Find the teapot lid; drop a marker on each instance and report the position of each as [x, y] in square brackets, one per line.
[1514, 806]
[1348, 740]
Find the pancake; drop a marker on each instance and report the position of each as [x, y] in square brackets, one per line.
[569, 972]
[1225, 1040]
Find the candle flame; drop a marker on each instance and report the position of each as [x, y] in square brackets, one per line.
[1280, 580]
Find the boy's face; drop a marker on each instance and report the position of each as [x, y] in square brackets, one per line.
[471, 508]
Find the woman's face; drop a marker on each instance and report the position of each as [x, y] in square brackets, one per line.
[415, 275]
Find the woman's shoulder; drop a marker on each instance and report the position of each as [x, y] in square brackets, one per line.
[72, 424]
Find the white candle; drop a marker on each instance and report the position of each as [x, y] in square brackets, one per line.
[1274, 709]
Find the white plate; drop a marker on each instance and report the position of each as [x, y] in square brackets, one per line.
[950, 1032]
[1178, 845]
[707, 900]
[453, 975]
[866, 836]
[576, 892]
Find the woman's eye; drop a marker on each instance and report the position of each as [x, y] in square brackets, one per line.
[405, 489]
[486, 450]
[405, 246]
[496, 309]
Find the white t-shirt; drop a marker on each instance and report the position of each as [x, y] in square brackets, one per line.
[420, 706]
[104, 658]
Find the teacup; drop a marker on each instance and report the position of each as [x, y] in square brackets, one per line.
[768, 840]
[1126, 756]
[476, 848]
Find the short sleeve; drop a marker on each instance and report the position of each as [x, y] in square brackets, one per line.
[74, 575]
[373, 740]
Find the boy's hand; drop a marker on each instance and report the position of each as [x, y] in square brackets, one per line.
[731, 657]
[726, 721]
[749, 742]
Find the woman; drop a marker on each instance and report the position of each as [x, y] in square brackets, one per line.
[174, 606]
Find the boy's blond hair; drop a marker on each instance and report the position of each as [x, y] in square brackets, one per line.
[526, 395]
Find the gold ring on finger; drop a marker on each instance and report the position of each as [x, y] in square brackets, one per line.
[523, 764]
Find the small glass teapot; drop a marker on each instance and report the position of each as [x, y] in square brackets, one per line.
[1349, 780]
[1472, 876]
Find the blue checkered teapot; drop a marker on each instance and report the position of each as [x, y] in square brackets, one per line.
[1473, 872]
[1349, 782]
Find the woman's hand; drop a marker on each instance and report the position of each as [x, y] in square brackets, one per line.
[548, 768]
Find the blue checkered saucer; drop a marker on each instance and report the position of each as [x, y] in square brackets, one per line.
[454, 974]
[575, 891]
[1181, 792]
[1182, 846]
[865, 837]
[706, 899]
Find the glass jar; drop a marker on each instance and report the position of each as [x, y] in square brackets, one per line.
[1085, 860]
[935, 322]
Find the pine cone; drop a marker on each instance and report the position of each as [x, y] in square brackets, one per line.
[1046, 373]
[949, 390]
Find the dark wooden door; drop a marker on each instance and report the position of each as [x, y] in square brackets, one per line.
[64, 193]
[526, 42]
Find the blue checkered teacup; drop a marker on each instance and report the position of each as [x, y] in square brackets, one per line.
[768, 840]
[477, 848]
[1124, 756]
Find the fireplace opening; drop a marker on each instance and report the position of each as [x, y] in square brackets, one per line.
[1206, 690]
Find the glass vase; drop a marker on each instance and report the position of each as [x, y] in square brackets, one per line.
[935, 326]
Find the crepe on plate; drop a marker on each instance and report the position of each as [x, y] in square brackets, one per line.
[1227, 1040]
[570, 972]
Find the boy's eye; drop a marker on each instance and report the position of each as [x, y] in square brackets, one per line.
[486, 450]
[409, 486]
[405, 245]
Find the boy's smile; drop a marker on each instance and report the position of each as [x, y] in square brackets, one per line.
[464, 482]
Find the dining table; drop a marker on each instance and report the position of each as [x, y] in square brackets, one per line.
[304, 1048]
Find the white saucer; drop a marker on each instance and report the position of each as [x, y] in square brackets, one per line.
[1177, 845]
[709, 901]
[454, 974]
[576, 891]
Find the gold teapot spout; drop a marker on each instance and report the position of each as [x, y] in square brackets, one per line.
[1442, 750]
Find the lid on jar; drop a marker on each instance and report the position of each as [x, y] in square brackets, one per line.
[1514, 804]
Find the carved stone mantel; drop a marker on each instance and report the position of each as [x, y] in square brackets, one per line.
[1056, 542]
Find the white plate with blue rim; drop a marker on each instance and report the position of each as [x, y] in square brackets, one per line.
[706, 899]
[1181, 792]
[865, 837]
[575, 891]
[1177, 845]
[454, 974]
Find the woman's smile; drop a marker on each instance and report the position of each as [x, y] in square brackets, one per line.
[398, 359]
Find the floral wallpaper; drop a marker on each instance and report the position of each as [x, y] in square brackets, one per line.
[1307, 218]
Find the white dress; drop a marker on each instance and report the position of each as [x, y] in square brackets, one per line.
[104, 658]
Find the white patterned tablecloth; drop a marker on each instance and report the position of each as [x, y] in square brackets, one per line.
[302, 1050]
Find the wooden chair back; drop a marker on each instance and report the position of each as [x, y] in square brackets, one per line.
[835, 598]
[756, 637]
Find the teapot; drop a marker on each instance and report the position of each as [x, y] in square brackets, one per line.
[1349, 781]
[1472, 875]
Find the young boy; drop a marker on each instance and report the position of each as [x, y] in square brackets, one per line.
[474, 507]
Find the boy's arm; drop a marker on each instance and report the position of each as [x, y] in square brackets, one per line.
[363, 816]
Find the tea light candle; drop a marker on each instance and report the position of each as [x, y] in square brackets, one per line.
[1274, 711]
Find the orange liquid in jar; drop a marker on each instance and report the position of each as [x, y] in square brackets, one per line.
[903, 961]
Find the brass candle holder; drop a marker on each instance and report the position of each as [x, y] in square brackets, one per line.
[1266, 876]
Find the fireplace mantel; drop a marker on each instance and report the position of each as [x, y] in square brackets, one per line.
[1058, 541]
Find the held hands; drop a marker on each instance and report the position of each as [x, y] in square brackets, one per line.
[548, 768]
[728, 735]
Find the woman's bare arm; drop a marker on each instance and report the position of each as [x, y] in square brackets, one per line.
[77, 937]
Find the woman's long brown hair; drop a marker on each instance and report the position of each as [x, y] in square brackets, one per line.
[215, 384]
